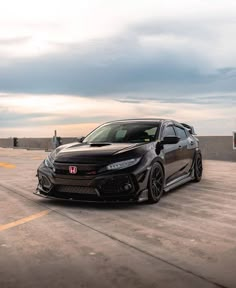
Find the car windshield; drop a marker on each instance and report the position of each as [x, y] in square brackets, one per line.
[124, 133]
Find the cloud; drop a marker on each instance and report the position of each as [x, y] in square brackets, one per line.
[129, 63]
[45, 113]
[14, 119]
[14, 41]
[128, 101]
[181, 67]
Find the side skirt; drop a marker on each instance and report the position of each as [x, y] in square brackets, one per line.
[177, 182]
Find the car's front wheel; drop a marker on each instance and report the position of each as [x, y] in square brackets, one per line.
[156, 183]
[198, 167]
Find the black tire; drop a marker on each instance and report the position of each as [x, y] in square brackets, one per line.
[155, 183]
[198, 168]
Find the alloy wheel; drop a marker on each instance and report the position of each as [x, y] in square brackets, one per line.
[198, 168]
[156, 183]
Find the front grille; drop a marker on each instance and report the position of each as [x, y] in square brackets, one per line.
[76, 196]
[90, 197]
[83, 169]
[79, 173]
[75, 189]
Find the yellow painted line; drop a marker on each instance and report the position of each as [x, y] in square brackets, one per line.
[7, 165]
[24, 220]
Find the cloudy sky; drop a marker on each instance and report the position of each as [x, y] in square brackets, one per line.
[71, 64]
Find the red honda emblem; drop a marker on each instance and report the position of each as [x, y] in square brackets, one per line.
[72, 169]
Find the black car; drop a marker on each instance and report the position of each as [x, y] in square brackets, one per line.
[126, 160]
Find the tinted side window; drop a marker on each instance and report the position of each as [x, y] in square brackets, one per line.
[169, 131]
[120, 134]
[180, 133]
[151, 133]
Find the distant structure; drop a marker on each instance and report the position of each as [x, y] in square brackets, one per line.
[234, 140]
[15, 142]
[56, 141]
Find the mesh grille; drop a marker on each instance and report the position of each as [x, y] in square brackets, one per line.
[75, 189]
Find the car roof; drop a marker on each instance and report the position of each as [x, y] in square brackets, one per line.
[163, 121]
[147, 120]
[140, 120]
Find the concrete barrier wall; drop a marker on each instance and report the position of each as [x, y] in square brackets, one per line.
[68, 140]
[217, 147]
[213, 147]
[34, 143]
[6, 143]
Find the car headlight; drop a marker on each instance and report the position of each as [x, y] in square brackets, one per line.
[49, 160]
[123, 164]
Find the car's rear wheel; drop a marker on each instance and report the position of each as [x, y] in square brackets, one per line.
[156, 183]
[198, 167]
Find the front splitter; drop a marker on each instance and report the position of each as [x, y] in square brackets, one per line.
[142, 198]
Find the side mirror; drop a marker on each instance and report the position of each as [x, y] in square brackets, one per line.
[170, 140]
[81, 139]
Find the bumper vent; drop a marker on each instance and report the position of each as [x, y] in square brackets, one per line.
[75, 189]
[117, 185]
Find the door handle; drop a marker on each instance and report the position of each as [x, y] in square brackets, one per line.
[191, 142]
[180, 147]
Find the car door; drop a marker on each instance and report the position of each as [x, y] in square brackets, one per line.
[184, 154]
[170, 154]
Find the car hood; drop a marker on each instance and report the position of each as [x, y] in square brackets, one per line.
[91, 153]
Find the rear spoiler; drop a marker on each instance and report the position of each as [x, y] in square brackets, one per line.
[189, 128]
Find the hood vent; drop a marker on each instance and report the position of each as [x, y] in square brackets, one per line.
[99, 144]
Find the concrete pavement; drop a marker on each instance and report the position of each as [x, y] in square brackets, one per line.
[187, 240]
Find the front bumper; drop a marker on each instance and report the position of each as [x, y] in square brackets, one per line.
[128, 185]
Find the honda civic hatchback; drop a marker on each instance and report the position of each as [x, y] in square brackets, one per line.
[125, 160]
